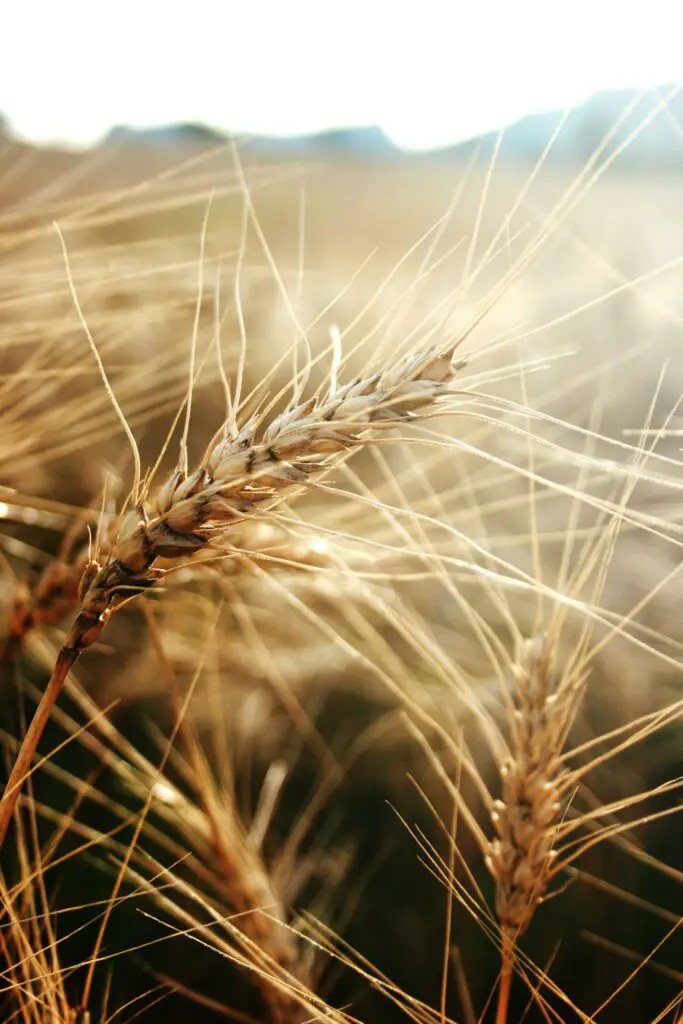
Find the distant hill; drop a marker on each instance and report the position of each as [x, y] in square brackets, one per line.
[370, 140]
[166, 135]
[659, 143]
[620, 112]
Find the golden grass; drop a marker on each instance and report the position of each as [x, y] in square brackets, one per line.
[467, 621]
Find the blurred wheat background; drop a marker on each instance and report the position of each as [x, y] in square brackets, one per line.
[267, 791]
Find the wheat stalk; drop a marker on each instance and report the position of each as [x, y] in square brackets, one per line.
[243, 473]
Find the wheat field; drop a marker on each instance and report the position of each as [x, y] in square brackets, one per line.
[340, 537]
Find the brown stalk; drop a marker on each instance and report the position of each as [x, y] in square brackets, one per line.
[22, 765]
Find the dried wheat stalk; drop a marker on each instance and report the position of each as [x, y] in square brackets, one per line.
[534, 820]
[241, 475]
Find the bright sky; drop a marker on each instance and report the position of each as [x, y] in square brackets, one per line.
[427, 72]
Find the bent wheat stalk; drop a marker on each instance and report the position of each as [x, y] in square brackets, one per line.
[241, 475]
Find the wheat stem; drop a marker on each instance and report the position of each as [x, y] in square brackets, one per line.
[65, 661]
[506, 961]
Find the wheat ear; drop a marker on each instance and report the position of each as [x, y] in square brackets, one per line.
[521, 857]
[528, 815]
[239, 477]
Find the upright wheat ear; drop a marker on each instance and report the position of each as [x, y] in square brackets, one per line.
[238, 478]
[526, 818]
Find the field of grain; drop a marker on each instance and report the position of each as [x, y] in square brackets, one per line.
[417, 668]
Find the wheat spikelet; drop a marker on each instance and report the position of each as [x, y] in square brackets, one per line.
[243, 475]
[525, 818]
[217, 865]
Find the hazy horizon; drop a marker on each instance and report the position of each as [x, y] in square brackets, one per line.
[70, 74]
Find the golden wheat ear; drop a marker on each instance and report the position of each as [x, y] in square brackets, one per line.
[237, 480]
[528, 812]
